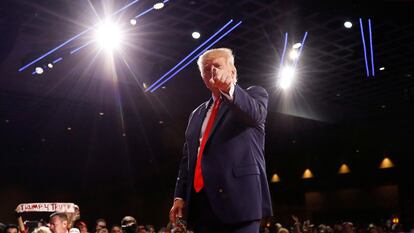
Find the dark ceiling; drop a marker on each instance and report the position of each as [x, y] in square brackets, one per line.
[125, 139]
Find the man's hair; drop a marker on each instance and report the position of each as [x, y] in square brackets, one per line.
[213, 53]
[10, 226]
[42, 230]
[115, 225]
[128, 220]
[100, 220]
[62, 216]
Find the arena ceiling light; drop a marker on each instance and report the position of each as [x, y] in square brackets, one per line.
[158, 6]
[108, 36]
[133, 22]
[196, 35]
[348, 24]
[39, 70]
[286, 78]
[297, 45]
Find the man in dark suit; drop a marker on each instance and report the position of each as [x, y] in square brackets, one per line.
[222, 177]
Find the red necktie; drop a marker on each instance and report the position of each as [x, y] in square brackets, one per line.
[198, 176]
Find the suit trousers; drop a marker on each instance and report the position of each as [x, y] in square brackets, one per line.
[202, 219]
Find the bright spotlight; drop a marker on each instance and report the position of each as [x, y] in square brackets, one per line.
[50, 65]
[286, 77]
[296, 45]
[133, 22]
[195, 35]
[108, 36]
[294, 54]
[39, 70]
[158, 5]
[348, 24]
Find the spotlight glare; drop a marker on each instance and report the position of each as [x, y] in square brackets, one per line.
[294, 54]
[50, 65]
[382, 68]
[133, 22]
[158, 5]
[108, 36]
[286, 77]
[348, 24]
[39, 70]
[297, 45]
[196, 35]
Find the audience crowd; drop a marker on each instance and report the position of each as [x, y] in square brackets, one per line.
[70, 223]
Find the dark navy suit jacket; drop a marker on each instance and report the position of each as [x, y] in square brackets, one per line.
[233, 163]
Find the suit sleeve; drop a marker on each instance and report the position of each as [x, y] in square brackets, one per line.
[250, 105]
[181, 183]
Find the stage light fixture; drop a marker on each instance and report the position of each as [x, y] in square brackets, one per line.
[297, 45]
[386, 163]
[196, 35]
[275, 178]
[307, 174]
[382, 68]
[108, 36]
[158, 6]
[39, 70]
[348, 24]
[344, 169]
[50, 65]
[133, 22]
[286, 77]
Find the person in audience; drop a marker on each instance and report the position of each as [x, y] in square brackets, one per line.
[348, 227]
[150, 229]
[83, 228]
[116, 229]
[2, 226]
[141, 229]
[73, 217]
[103, 230]
[11, 228]
[100, 223]
[42, 229]
[129, 224]
[58, 222]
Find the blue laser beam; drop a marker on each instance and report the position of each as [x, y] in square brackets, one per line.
[189, 55]
[205, 49]
[284, 49]
[371, 47]
[69, 40]
[139, 15]
[144, 12]
[57, 60]
[363, 44]
[53, 50]
[81, 47]
[125, 7]
[301, 48]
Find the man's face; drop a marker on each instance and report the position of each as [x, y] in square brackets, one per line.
[212, 65]
[100, 225]
[11, 230]
[103, 230]
[116, 229]
[83, 229]
[57, 225]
